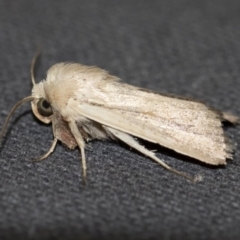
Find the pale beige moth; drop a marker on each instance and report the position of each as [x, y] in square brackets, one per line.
[85, 103]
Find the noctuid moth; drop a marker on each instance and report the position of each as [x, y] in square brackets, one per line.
[86, 102]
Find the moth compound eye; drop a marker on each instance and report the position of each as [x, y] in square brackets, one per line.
[44, 107]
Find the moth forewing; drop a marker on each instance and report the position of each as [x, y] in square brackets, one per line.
[200, 147]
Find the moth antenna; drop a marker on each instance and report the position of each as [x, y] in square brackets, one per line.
[33, 63]
[27, 99]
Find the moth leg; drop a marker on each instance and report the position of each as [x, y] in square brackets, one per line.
[49, 151]
[129, 140]
[81, 144]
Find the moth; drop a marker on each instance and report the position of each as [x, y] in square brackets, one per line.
[85, 103]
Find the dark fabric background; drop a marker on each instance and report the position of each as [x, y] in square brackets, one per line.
[189, 48]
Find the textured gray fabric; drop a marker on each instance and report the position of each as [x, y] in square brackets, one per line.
[190, 48]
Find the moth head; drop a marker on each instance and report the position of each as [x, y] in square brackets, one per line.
[45, 93]
[41, 106]
[42, 109]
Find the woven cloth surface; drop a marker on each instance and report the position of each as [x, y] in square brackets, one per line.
[189, 48]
